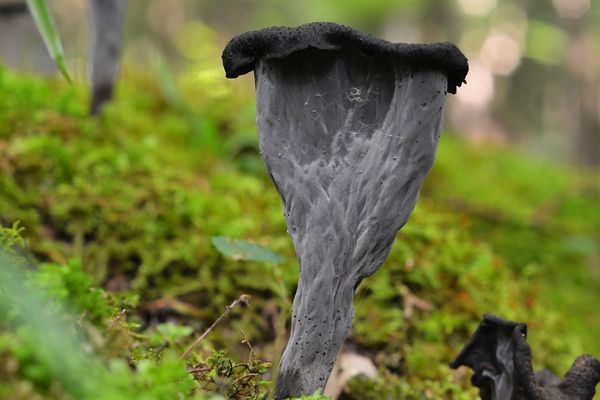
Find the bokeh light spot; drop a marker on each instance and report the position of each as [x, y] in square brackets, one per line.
[479, 91]
[501, 53]
[478, 7]
[574, 9]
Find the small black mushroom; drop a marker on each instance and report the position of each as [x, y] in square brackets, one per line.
[348, 128]
[500, 357]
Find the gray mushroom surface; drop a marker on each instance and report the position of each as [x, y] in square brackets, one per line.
[348, 128]
[500, 357]
[107, 18]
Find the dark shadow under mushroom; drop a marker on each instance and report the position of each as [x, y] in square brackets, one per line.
[348, 128]
[500, 357]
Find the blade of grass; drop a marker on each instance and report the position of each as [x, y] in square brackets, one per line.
[47, 28]
[51, 341]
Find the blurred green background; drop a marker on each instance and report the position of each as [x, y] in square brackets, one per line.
[111, 221]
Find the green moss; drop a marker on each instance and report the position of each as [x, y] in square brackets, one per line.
[133, 198]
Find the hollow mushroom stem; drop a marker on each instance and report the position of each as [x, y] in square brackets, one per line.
[348, 128]
[320, 322]
[107, 18]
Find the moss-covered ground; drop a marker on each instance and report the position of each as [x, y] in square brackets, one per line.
[118, 216]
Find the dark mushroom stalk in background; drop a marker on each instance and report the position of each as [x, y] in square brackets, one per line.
[348, 128]
[500, 356]
[107, 18]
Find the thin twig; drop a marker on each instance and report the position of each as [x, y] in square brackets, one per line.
[245, 341]
[411, 302]
[243, 299]
[200, 368]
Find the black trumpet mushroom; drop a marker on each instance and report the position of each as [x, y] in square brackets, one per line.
[107, 18]
[348, 128]
[500, 357]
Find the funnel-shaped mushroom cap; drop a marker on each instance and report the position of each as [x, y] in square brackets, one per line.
[348, 127]
[500, 357]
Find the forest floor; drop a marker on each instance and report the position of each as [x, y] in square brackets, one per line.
[115, 224]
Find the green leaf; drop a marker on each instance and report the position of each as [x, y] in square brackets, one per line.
[242, 250]
[45, 24]
[172, 332]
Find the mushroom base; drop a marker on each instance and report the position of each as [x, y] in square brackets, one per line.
[320, 322]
